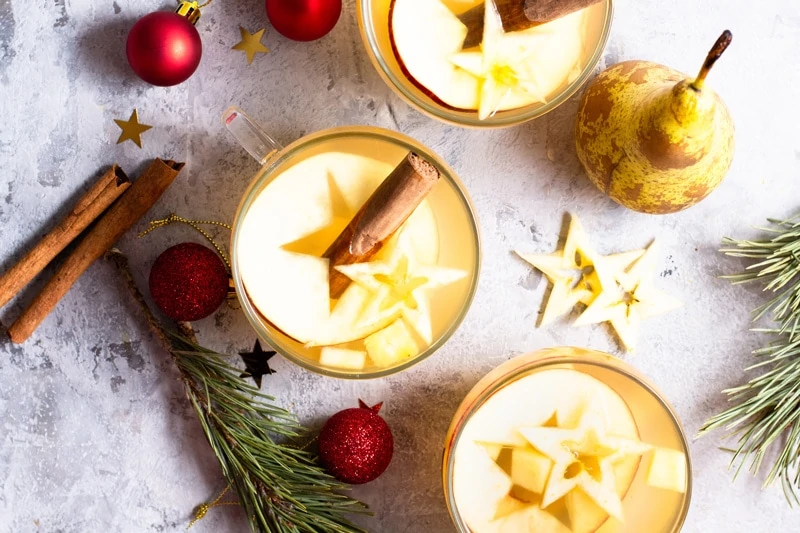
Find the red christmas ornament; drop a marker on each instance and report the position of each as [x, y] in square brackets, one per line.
[356, 445]
[304, 20]
[165, 48]
[188, 282]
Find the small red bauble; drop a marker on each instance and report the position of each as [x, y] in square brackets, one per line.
[188, 282]
[356, 445]
[164, 48]
[304, 20]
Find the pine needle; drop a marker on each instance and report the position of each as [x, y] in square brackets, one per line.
[280, 486]
[765, 414]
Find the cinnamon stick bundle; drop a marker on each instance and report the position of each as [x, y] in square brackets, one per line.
[96, 200]
[518, 15]
[130, 207]
[380, 217]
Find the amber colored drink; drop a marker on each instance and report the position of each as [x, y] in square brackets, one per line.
[489, 412]
[376, 23]
[294, 210]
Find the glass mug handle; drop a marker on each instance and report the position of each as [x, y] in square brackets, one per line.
[252, 138]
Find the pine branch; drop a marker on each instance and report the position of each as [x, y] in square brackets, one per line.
[280, 486]
[766, 410]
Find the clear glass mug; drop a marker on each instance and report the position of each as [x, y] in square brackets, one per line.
[459, 241]
[645, 508]
[373, 21]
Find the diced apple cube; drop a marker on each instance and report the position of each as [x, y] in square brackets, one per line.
[667, 470]
[530, 469]
[585, 516]
[391, 345]
[343, 358]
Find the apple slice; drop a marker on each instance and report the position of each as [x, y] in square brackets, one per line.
[479, 485]
[425, 34]
[529, 519]
[530, 469]
[559, 395]
[503, 66]
[507, 506]
[347, 323]
[292, 217]
[511, 70]
[391, 345]
[343, 358]
[492, 449]
[533, 399]
[667, 470]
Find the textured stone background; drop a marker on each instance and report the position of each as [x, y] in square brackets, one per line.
[94, 434]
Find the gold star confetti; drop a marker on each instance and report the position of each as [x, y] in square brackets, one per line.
[251, 44]
[131, 129]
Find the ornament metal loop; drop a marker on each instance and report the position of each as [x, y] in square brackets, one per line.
[190, 9]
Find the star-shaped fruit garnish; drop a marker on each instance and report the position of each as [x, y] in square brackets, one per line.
[399, 287]
[131, 129]
[503, 63]
[251, 44]
[572, 272]
[256, 363]
[583, 458]
[633, 299]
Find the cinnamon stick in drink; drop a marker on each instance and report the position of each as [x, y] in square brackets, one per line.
[130, 207]
[96, 200]
[380, 217]
[518, 15]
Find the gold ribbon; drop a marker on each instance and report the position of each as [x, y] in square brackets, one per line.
[195, 224]
[203, 508]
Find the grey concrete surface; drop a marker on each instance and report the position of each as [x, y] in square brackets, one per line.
[94, 433]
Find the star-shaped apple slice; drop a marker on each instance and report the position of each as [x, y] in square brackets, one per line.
[572, 274]
[583, 458]
[400, 287]
[503, 64]
[634, 298]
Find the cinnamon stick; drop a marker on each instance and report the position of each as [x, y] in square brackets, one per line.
[96, 200]
[518, 15]
[380, 217]
[130, 207]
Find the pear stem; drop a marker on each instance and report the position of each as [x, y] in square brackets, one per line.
[716, 52]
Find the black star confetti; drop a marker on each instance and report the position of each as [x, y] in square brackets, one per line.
[256, 363]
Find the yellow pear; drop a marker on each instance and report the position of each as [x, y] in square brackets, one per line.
[652, 138]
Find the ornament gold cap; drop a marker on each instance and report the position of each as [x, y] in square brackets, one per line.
[189, 9]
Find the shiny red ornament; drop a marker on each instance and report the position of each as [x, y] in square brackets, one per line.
[356, 445]
[164, 48]
[188, 282]
[304, 20]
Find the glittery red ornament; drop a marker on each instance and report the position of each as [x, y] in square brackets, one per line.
[164, 48]
[188, 282]
[356, 445]
[304, 20]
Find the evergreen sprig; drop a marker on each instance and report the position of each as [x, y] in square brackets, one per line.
[766, 409]
[280, 486]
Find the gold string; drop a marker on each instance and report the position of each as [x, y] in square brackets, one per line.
[193, 223]
[203, 508]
